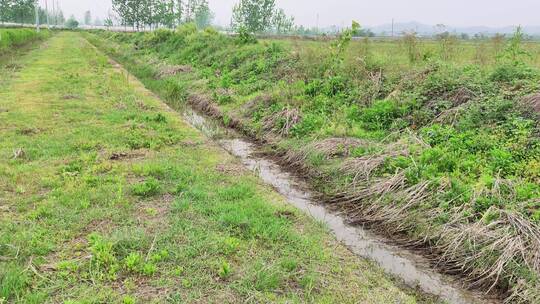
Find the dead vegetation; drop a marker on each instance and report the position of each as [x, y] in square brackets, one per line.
[19, 153]
[282, 122]
[485, 252]
[337, 146]
[171, 70]
[532, 101]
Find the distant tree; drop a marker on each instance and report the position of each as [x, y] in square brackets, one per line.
[5, 8]
[164, 13]
[87, 18]
[203, 14]
[108, 22]
[19, 11]
[253, 16]
[72, 23]
[152, 13]
[465, 36]
[281, 23]
[60, 19]
[189, 10]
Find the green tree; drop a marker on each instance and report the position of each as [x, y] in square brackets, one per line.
[253, 16]
[203, 14]
[108, 22]
[72, 23]
[281, 23]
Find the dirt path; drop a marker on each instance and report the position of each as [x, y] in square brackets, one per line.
[106, 196]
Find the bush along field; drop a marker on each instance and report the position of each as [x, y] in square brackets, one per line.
[12, 38]
[408, 137]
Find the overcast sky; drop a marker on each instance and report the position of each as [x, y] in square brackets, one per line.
[493, 13]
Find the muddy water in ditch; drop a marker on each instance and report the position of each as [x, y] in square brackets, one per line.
[411, 268]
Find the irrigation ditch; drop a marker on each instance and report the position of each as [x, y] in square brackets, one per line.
[413, 269]
[415, 265]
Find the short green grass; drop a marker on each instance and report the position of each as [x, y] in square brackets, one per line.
[106, 196]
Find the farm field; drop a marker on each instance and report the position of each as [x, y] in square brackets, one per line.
[12, 38]
[107, 196]
[431, 142]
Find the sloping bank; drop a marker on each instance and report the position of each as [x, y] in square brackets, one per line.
[442, 157]
[13, 38]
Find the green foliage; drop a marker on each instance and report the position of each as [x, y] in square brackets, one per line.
[13, 280]
[12, 38]
[72, 23]
[104, 261]
[170, 13]
[512, 61]
[133, 262]
[253, 16]
[345, 37]
[225, 270]
[148, 188]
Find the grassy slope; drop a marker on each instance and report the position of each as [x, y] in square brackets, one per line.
[451, 133]
[11, 38]
[106, 196]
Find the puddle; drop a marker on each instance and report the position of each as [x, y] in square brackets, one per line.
[411, 268]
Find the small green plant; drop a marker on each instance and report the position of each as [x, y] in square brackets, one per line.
[224, 270]
[514, 52]
[149, 269]
[344, 39]
[128, 300]
[230, 245]
[133, 262]
[148, 188]
[160, 256]
[103, 257]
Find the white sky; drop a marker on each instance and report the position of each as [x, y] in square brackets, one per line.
[494, 13]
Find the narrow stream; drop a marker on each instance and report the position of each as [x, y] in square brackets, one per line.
[411, 268]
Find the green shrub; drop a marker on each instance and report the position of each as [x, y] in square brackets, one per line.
[149, 187]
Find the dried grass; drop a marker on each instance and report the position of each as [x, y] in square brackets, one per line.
[282, 121]
[362, 168]
[532, 101]
[337, 146]
[487, 253]
[171, 70]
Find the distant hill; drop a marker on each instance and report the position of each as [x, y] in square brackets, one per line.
[426, 29]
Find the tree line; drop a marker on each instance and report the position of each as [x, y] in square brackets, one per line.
[141, 14]
[249, 16]
[23, 11]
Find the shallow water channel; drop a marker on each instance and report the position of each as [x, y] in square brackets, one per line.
[411, 268]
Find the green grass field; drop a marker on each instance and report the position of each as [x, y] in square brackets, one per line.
[106, 196]
[436, 141]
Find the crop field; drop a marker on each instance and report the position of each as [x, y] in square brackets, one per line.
[107, 196]
[12, 38]
[435, 143]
